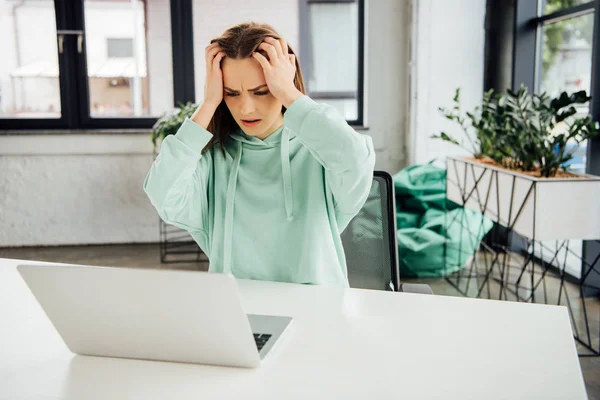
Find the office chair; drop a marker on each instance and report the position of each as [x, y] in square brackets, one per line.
[370, 242]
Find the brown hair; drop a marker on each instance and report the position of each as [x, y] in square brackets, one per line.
[239, 42]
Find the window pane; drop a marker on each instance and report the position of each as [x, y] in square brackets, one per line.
[333, 44]
[29, 86]
[567, 65]
[129, 57]
[551, 6]
[567, 55]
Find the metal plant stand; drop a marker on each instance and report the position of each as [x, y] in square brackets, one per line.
[511, 267]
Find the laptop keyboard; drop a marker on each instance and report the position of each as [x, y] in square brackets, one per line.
[260, 340]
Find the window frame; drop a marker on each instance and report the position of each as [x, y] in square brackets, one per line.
[306, 56]
[74, 82]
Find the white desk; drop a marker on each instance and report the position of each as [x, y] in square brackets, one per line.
[344, 344]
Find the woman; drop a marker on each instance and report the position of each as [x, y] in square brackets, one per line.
[262, 177]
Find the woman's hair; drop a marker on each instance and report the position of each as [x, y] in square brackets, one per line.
[240, 42]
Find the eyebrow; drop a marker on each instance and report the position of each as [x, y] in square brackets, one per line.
[250, 90]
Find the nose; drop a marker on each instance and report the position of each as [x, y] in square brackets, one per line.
[247, 106]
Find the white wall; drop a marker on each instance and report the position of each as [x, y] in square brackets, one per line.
[51, 200]
[449, 39]
[86, 189]
[75, 189]
[386, 74]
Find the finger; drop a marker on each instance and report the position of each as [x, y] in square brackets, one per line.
[292, 59]
[211, 63]
[213, 52]
[270, 51]
[284, 47]
[210, 46]
[278, 46]
[210, 58]
[262, 60]
[217, 60]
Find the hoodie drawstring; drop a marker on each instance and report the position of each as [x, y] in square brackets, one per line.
[231, 186]
[287, 177]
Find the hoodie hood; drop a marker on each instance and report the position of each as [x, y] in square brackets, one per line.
[280, 138]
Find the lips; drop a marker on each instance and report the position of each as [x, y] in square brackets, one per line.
[251, 122]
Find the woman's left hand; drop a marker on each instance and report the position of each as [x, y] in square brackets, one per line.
[279, 70]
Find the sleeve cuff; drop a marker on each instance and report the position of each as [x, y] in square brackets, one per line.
[193, 135]
[298, 110]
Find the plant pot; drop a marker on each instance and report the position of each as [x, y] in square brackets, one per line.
[537, 208]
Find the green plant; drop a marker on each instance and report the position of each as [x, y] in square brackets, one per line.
[170, 122]
[485, 121]
[524, 131]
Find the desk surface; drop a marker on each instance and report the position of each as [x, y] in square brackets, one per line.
[344, 343]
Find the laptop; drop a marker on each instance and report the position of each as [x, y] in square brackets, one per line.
[150, 314]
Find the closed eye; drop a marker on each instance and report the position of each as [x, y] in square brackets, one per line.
[230, 94]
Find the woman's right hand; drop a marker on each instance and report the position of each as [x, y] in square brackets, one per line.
[213, 88]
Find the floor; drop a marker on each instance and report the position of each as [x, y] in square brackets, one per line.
[148, 256]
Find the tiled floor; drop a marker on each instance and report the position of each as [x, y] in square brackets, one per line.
[147, 255]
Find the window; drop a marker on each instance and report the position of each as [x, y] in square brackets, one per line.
[566, 65]
[91, 63]
[567, 55]
[29, 82]
[126, 77]
[554, 52]
[332, 36]
[557, 48]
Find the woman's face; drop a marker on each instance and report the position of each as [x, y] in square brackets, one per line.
[247, 96]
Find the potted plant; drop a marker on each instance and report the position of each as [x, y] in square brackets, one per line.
[518, 174]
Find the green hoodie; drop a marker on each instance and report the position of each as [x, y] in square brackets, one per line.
[268, 209]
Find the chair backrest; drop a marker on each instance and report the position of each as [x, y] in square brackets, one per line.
[370, 241]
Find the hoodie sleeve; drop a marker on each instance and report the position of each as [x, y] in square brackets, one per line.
[177, 183]
[347, 156]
